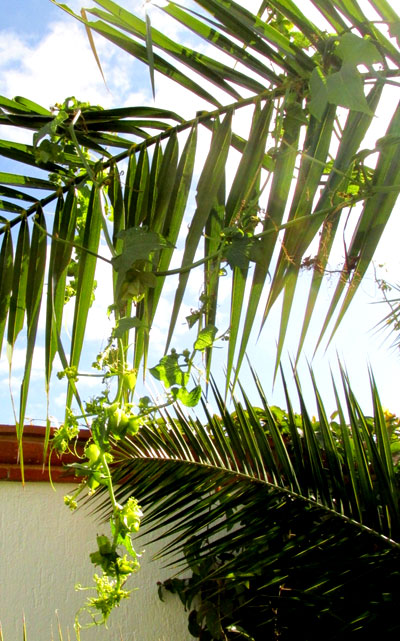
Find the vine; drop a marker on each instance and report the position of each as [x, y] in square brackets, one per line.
[111, 420]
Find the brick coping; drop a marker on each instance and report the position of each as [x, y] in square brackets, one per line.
[35, 468]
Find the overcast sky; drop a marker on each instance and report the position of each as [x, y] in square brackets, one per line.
[45, 56]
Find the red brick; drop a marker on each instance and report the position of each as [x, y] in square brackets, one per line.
[32, 444]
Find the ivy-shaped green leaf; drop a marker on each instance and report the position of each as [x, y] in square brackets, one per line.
[237, 253]
[189, 399]
[125, 324]
[169, 372]
[345, 89]
[50, 128]
[205, 338]
[354, 50]
[133, 279]
[138, 245]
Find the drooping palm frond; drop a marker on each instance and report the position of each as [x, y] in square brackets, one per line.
[312, 73]
[77, 197]
[309, 508]
[289, 74]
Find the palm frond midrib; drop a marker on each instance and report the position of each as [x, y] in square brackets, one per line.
[206, 477]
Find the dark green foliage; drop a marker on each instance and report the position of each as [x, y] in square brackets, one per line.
[289, 525]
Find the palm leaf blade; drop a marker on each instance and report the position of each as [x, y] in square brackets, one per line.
[6, 280]
[207, 190]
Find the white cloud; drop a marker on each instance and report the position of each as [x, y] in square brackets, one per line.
[18, 361]
[60, 400]
[63, 65]
[12, 48]
[47, 73]
[13, 383]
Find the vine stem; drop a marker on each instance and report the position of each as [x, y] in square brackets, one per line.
[71, 130]
[217, 254]
[114, 503]
[56, 238]
[104, 226]
[121, 353]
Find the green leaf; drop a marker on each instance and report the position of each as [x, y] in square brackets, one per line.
[31, 106]
[138, 245]
[14, 193]
[93, 46]
[34, 291]
[189, 399]
[169, 372]
[205, 338]
[50, 128]
[137, 211]
[208, 186]
[345, 89]
[17, 302]
[14, 106]
[124, 325]
[5, 205]
[64, 228]
[6, 280]
[237, 296]
[25, 181]
[84, 290]
[175, 207]
[212, 242]
[238, 251]
[150, 56]
[354, 50]
[25, 154]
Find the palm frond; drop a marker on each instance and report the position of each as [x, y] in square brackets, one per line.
[231, 23]
[308, 507]
[287, 73]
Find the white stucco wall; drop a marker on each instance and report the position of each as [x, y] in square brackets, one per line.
[44, 551]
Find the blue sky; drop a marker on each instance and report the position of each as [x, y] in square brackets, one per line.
[26, 16]
[44, 55]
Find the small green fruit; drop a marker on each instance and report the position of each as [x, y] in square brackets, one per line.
[93, 453]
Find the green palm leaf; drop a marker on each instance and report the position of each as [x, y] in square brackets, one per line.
[34, 292]
[224, 24]
[17, 310]
[286, 499]
[207, 189]
[290, 88]
[6, 271]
